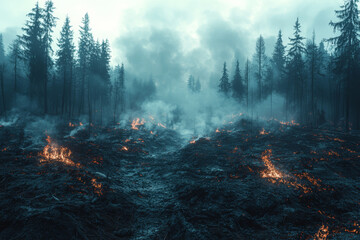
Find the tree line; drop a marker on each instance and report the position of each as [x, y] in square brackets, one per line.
[71, 81]
[315, 83]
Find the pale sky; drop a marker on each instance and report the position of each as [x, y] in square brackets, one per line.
[182, 36]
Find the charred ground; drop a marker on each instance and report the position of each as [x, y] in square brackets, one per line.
[244, 181]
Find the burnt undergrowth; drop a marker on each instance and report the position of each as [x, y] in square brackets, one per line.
[248, 180]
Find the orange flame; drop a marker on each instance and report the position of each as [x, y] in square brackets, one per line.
[276, 176]
[271, 171]
[53, 153]
[292, 123]
[322, 234]
[97, 187]
[136, 122]
[263, 132]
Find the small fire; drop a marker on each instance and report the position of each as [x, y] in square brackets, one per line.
[53, 153]
[292, 123]
[217, 131]
[124, 149]
[97, 187]
[80, 124]
[338, 140]
[333, 153]
[263, 132]
[322, 234]
[136, 122]
[275, 176]
[307, 176]
[71, 124]
[271, 171]
[192, 142]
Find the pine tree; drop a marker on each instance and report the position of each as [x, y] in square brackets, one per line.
[15, 57]
[32, 43]
[260, 60]
[105, 57]
[347, 47]
[247, 80]
[2, 70]
[95, 86]
[295, 70]
[65, 62]
[122, 88]
[224, 85]
[84, 54]
[49, 22]
[312, 54]
[105, 75]
[279, 53]
[119, 91]
[278, 60]
[2, 50]
[237, 84]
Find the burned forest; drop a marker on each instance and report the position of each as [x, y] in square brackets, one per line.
[179, 119]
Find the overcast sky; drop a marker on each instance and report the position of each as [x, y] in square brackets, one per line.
[174, 38]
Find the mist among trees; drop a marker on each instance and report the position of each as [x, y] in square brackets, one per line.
[317, 81]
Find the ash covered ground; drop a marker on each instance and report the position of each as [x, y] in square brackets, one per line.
[247, 180]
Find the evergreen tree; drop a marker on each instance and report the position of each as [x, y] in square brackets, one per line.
[119, 90]
[122, 88]
[95, 85]
[278, 61]
[347, 46]
[105, 75]
[295, 70]
[224, 85]
[312, 55]
[105, 57]
[247, 80]
[2, 50]
[65, 62]
[15, 57]
[84, 54]
[2, 70]
[279, 53]
[260, 60]
[49, 22]
[237, 84]
[32, 43]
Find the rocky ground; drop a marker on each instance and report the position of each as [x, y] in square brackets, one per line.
[248, 180]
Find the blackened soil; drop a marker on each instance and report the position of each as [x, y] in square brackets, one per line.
[149, 184]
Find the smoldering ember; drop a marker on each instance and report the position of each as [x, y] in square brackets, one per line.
[179, 119]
